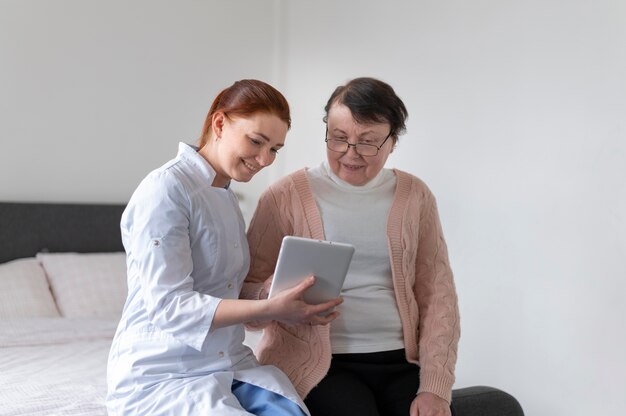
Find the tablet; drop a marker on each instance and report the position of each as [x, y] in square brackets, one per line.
[301, 257]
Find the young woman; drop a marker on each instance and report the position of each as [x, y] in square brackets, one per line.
[178, 348]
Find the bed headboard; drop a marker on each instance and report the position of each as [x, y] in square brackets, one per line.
[29, 228]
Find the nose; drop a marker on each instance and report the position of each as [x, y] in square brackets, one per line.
[265, 157]
[351, 152]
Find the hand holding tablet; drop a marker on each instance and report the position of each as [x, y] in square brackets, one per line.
[301, 257]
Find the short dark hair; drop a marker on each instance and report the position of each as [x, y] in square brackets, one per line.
[247, 97]
[371, 101]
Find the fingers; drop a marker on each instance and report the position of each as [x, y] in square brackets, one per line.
[296, 311]
[297, 292]
[324, 313]
[301, 287]
[326, 307]
[323, 319]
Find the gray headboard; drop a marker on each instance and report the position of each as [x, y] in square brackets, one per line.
[29, 228]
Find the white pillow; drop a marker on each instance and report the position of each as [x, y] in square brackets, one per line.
[24, 291]
[87, 285]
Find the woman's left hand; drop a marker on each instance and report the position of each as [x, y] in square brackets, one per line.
[265, 290]
[429, 404]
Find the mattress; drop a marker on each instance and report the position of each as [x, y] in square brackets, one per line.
[54, 366]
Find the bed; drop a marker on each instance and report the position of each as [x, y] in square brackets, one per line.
[62, 289]
[63, 284]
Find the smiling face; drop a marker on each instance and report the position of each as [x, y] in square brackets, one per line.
[240, 147]
[351, 167]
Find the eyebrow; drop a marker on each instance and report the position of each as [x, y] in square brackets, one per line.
[338, 130]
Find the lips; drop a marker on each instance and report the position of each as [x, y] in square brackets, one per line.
[351, 167]
[250, 167]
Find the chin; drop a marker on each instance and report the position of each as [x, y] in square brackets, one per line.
[353, 180]
[244, 178]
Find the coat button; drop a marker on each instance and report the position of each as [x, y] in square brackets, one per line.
[221, 354]
[156, 243]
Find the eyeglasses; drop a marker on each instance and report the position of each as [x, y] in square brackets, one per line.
[363, 149]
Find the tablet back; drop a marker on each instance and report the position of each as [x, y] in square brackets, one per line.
[301, 257]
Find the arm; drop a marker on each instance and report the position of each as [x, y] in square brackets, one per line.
[265, 234]
[287, 307]
[155, 228]
[264, 238]
[435, 293]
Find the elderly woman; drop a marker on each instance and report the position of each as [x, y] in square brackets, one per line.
[394, 345]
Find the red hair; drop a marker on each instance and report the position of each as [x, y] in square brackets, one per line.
[244, 98]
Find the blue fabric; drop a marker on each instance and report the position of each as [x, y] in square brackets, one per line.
[261, 402]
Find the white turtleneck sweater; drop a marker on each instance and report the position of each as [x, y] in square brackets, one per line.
[369, 320]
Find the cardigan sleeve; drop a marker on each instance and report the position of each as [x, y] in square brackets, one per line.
[264, 239]
[285, 208]
[265, 235]
[435, 292]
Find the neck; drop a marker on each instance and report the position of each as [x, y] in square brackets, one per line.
[207, 151]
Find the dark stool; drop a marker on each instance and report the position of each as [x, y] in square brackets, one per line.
[484, 401]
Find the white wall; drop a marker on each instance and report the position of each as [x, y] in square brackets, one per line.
[94, 94]
[516, 122]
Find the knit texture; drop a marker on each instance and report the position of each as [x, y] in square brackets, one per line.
[422, 278]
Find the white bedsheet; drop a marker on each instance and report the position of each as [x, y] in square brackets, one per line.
[54, 366]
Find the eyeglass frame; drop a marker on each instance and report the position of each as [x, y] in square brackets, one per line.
[356, 144]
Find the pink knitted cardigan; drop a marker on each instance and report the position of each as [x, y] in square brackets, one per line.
[422, 278]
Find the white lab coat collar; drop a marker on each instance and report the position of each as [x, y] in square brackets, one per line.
[190, 153]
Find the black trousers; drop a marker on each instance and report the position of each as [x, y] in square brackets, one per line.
[368, 384]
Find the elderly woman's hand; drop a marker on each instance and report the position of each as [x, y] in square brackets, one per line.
[265, 290]
[429, 404]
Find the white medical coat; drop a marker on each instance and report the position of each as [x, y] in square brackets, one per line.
[186, 250]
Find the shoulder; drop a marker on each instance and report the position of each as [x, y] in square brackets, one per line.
[292, 183]
[289, 181]
[292, 191]
[168, 179]
[412, 185]
[164, 186]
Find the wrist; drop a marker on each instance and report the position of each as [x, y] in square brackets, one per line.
[266, 310]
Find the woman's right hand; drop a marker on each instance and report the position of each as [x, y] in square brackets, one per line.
[289, 307]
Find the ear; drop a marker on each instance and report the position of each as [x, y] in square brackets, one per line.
[217, 124]
[393, 146]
